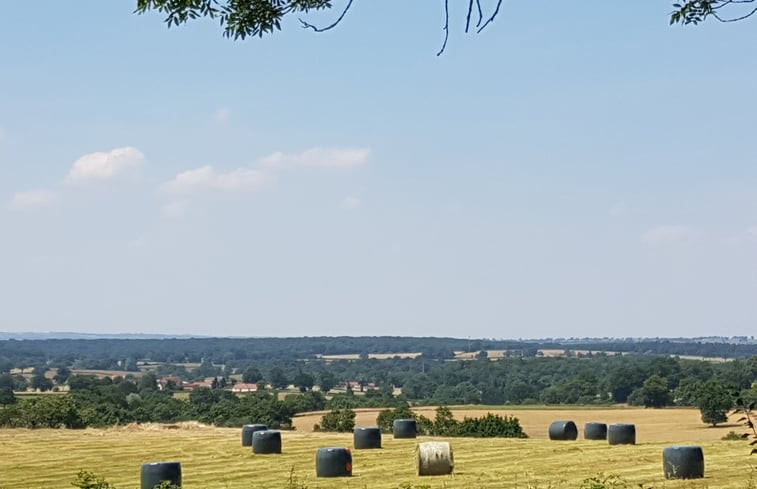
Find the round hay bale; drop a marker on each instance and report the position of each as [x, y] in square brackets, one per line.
[683, 462]
[248, 430]
[266, 441]
[563, 430]
[405, 428]
[367, 437]
[595, 431]
[621, 434]
[155, 473]
[435, 458]
[333, 462]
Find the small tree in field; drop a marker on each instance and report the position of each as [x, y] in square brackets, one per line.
[714, 401]
[339, 420]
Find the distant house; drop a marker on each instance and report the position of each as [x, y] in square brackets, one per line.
[242, 387]
[190, 386]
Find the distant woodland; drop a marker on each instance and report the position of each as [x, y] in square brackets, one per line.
[117, 381]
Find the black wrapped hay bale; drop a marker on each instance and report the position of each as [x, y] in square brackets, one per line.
[155, 473]
[563, 430]
[248, 430]
[333, 462]
[595, 431]
[367, 437]
[266, 441]
[621, 434]
[435, 458]
[683, 462]
[405, 428]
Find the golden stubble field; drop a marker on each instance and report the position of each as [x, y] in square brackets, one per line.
[214, 457]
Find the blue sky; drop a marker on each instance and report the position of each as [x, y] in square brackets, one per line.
[577, 169]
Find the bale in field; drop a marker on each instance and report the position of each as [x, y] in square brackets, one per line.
[333, 462]
[248, 430]
[595, 431]
[683, 462]
[366, 437]
[563, 430]
[621, 434]
[155, 473]
[435, 458]
[266, 441]
[405, 428]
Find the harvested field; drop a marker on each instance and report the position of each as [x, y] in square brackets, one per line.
[214, 458]
[652, 425]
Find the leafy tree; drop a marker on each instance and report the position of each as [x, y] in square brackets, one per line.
[714, 400]
[327, 381]
[41, 383]
[251, 375]
[687, 392]
[278, 378]
[7, 396]
[339, 420]
[303, 381]
[148, 382]
[696, 11]
[62, 375]
[248, 18]
[654, 393]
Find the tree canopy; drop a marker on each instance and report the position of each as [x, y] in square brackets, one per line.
[254, 18]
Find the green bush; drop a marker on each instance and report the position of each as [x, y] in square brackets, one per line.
[339, 420]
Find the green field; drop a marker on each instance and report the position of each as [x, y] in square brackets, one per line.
[214, 458]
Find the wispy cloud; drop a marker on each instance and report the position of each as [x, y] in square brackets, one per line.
[351, 203]
[318, 158]
[207, 179]
[31, 199]
[103, 166]
[670, 233]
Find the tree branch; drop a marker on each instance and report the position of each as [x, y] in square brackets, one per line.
[306, 25]
[446, 27]
[714, 14]
[496, 11]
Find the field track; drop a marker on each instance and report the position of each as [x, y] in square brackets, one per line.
[214, 458]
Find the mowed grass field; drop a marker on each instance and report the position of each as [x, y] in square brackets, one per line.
[214, 457]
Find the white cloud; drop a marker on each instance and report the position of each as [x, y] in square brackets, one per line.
[103, 166]
[206, 179]
[32, 198]
[318, 158]
[351, 203]
[222, 115]
[671, 233]
[174, 209]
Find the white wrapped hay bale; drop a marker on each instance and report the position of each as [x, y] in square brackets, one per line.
[435, 458]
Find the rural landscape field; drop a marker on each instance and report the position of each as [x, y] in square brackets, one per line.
[214, 458]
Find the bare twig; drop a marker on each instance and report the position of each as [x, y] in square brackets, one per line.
[714, 14]
[496, 11]
[446, 27]
[470, 11]
[306, 25]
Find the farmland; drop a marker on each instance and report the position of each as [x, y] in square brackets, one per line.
[213, 457]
